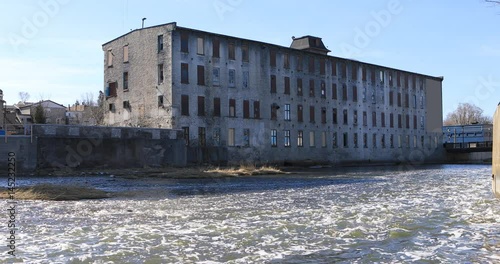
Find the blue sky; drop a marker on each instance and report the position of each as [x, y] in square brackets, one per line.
[52, 48]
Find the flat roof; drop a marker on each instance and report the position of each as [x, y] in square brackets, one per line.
[438, 78]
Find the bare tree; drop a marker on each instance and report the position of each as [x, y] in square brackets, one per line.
[466, 114]
[93, 109]
[24, 96]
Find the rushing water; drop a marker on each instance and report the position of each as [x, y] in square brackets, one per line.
[438, 214]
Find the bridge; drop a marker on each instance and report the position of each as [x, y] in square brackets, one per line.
[467, 147]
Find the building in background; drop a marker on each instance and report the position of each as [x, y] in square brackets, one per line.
[268, 103]
[54, 113]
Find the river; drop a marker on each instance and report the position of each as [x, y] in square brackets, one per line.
[430, 214]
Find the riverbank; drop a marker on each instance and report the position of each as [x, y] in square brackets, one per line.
[54, 192]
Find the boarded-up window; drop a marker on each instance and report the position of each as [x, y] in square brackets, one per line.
[125, 53]
[256, 109]
[231, 137]
[322, 66]
[323, 115]
[184, 42]
[246, 109]
[109, 56]
[185, 105]
[311, 64]
[272, 58]
[273, 83]
[300, 113]
[201, 74]
[299, 86]
[232, 108]
[344, 92]
[334, 91]
[286, 61]
[334, 116]
[216, 106]
[216, 48]
[184, 73]
[311, 114]
[311, 88]
[354, 72]
[287, 85]
[201, 46]
[111, 90]
[201, 106]
[244, 53]
[312, 137]
[231, 51]
[354, 94]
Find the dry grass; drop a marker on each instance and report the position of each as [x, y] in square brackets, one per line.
[56, 193]
[246, 170]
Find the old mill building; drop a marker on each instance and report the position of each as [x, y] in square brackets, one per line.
[261, 102]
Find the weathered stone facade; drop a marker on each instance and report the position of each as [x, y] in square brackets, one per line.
[268, 103]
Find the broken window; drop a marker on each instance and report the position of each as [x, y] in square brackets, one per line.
[202, 137]
[299, 86]
[246, 137]
[311, 88]
[323, 115]
[160, 100]
[334, 140]
[160, 43]
[232, 78]
[160, 74]
[334, 116]
[323, 89]
[216, 76]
